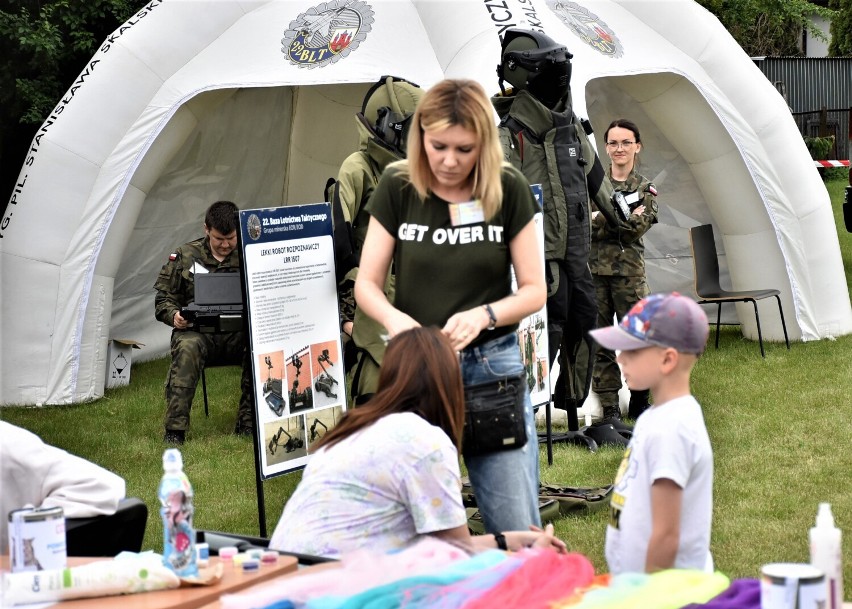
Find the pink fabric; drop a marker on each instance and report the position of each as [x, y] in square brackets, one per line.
[544, 577]
[358, 571]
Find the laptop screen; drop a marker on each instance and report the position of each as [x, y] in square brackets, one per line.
[213, 289]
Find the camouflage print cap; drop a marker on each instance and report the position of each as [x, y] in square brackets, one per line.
[661, 320]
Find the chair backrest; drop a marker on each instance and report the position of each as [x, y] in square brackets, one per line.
[704, 260]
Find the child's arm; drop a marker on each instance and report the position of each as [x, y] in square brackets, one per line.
[666, 501]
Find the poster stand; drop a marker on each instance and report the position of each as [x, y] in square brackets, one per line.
[294, 336]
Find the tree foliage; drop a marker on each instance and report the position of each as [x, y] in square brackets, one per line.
[841, 29]
[43, 46]
[768, 27]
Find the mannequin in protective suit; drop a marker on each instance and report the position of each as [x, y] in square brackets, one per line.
[383, 129]
[543, 138]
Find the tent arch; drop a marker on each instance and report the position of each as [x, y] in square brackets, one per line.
[119, 173]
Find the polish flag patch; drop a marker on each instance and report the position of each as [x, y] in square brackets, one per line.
[652, 189]
[173, 257]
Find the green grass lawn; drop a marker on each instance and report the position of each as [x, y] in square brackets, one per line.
[780, 429]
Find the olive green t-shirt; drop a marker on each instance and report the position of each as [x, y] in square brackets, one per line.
[443, 265]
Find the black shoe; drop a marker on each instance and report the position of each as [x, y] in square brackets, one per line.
[242, 429]
[174, 436]
[612, 416]
[605, 433]
[619, 425]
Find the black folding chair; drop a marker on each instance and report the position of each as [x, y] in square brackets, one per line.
[708, 288]
[108, 535]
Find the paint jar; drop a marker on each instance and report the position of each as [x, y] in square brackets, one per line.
[37, 539]
[786, 585]
[202, 551]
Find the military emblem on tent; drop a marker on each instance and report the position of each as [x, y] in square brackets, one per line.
[589, 27]
[327, 33]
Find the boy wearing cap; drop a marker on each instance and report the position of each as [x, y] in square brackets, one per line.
[662, 503]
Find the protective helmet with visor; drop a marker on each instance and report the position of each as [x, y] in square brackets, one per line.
[534, 62]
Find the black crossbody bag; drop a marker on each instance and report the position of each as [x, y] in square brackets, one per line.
[494, 416]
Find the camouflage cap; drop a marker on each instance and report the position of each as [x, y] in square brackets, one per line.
[661, 320]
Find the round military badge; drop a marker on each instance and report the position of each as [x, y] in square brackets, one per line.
[254, 228]
[327, 33]
[589, 27]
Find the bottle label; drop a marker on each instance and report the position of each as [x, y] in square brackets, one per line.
[178, 515]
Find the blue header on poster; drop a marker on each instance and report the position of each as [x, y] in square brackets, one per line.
[538, 193]
[285, 223]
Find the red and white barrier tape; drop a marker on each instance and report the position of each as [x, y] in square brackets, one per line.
[832, 163]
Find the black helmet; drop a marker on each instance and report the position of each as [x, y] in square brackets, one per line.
[387, 110]
[533, 61]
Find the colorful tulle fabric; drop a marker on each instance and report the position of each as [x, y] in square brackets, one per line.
[544, 577]
[355, 573]
[436, 575]
[741, 594]
[671, 589]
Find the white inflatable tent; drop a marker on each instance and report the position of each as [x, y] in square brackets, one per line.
[193, 101]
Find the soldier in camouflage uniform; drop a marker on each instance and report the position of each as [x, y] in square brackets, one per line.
[214, 253]
[382, 128]
[617, 260]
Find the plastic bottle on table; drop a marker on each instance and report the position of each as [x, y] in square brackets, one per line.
[175, 494]
[826, 555]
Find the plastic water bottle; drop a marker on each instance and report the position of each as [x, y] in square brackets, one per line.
[826, 556]
[175, 494]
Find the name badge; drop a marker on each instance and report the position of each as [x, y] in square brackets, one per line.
[469, 212]
[632, 198]
[198, 268]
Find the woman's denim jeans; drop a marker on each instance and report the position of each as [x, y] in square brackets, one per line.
[505, 483]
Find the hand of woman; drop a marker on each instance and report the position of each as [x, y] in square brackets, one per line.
[399, 322]
[535, 538]
[463, 327]
[547, 539]
[638, 211]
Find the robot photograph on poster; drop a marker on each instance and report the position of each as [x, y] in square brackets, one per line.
[299, 375]
[272, 383]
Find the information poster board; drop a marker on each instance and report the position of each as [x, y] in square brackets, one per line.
[297, 356]
[532, 330]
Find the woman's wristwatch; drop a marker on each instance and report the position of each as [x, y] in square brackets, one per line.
[492, 319]
[501, 541]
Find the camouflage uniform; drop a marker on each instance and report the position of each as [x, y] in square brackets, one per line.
[618, 266]
[191, 350]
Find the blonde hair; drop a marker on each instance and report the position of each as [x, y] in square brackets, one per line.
[457, 102]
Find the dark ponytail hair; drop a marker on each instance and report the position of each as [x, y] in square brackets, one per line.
[624, 124]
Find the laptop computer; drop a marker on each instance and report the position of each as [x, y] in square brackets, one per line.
[218, 305]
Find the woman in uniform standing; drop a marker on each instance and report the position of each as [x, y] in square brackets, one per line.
[617, 260]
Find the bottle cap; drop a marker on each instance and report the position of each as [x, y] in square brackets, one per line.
[824, 516]
[172, 460]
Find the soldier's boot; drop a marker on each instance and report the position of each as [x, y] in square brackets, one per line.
[605, 430]
[178, 405]
[612, 416]
[244, 425]
[638, 403]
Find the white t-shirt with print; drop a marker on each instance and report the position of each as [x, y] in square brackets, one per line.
[669, 441]
[381, 488]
